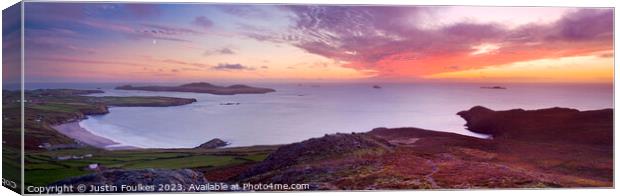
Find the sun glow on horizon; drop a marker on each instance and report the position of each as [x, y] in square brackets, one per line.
[584, 69]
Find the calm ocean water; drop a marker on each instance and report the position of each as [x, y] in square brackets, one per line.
[295, 113]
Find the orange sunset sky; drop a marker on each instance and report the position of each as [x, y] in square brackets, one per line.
[113, 42]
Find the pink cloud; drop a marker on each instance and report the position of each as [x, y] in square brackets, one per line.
[387, 40]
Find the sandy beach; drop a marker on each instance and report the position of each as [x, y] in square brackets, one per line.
[75, 131]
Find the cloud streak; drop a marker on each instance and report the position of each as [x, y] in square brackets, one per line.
[144, 30]
[221, 51]
[231, 67]
[125, 19]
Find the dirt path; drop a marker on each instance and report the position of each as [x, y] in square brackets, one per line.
[429, 177]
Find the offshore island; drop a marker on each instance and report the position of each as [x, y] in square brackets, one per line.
[554, 147]
[202, 87]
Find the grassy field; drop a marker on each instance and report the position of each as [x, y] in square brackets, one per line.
[43, 168]
[11, 161]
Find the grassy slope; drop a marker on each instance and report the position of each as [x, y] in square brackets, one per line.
[42, 167]
[11, 164]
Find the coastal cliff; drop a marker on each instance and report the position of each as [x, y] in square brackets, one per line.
[544, 125]
[202, 87]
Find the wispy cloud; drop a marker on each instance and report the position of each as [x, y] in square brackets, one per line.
[231, 66]
[123, 19]
[158, 29]
[203, 21]
[145, 30]
[83, 61]
[180, 62]
[253, 11]
[221, 51]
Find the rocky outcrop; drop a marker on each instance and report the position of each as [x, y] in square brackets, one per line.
[203, 87]
[317, 149]
[96, 109]
[211, 144]
[137, 178]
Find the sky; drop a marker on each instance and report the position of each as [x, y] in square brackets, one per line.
[113, 42]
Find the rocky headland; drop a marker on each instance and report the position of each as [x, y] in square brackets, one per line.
[543, 125]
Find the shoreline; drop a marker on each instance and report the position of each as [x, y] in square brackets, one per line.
[74, 130]
[79, 133]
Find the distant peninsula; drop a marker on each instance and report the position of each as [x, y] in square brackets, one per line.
[203, 87]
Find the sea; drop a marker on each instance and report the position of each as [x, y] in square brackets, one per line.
[299, 111]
